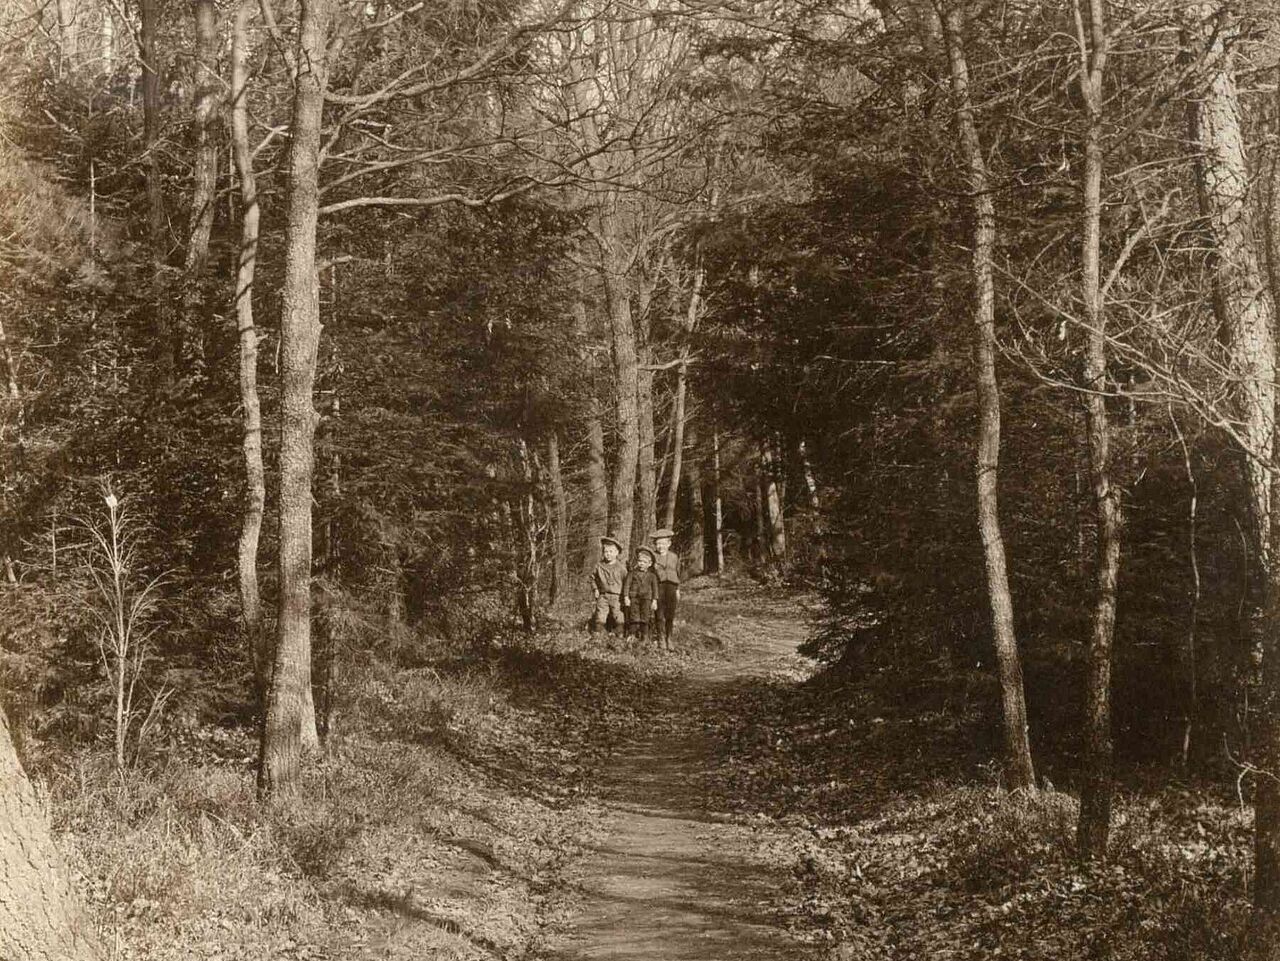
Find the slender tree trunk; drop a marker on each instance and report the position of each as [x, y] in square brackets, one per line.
[522, 513]
[41, 918]
[205, 174]
[775, 523]
[696, 554]
[328, 562]
[597, 477]
[16, 413]
[68, 35]
[717, 504]
[1020, 770]
[107, 41]
[560, 508]
[761, 514]
[810, 482]
[646, 466]
[626, 376]
[290, 722]
[1188, 653]
[1096, 788]
[250, 407]
[162, 335]
[680, 400]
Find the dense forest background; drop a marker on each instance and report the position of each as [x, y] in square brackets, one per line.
[331, 329]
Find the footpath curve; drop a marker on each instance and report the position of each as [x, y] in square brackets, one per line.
[670, 878]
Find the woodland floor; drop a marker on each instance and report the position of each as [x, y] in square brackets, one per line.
[674, 875]
[565, 798]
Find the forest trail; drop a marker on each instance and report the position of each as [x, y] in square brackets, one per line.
[671, 877]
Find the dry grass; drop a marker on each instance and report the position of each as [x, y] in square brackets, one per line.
[417, 838]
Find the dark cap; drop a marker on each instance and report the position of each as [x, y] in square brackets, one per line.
[611, 540]
[645, 550]
[666, 532]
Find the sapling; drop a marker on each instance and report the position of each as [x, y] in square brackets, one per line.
[124, 607]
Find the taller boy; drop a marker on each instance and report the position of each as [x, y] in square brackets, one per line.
[666, 564]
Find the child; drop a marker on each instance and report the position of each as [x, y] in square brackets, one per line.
[606, 583]
[666, 565]
[640, 594]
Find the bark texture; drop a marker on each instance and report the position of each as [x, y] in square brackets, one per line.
[290, 725]
[1246, 318]
[597, 477]
[626, 377]
[775, 523]
[717, 505]
[560, 522]
[679, 400]
[646, 461]
[163, 341]
[205, 173]
[1096, 785]
[68, 35]
[1239, 288]
[1266, 904]
[696, 552]
[41, 918]
[1021, 771]
[255, 487]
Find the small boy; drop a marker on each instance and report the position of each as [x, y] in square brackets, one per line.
[606, 583]
[666, 564]
[640, 594]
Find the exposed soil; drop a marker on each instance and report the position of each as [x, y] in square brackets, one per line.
[673, 875]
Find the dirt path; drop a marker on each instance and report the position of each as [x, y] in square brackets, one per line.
[671, 878]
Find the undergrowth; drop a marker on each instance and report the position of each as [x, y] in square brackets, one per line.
[445, 819]
[903, 845]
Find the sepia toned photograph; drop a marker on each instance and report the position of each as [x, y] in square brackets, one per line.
[639, 480]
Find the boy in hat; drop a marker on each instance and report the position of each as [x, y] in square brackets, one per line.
[640, 594]
[666, 564]
[606, 583]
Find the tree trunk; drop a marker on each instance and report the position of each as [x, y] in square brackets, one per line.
[1266, 900]
[1186, 655]
[597, 477]
[324, 678]
[560, 508]
[646, 467]
[250, 407]
[775, 523]
[1021, 772]
[696, 553]
[68, 35]
[626, 377]
[811, 482]
[1096, 786]
[290, 724]
[680, 400]
[761, 515]
[524, 523]
[162, 335]
[1246, 318]
[717, 504]
[41, 918]
[205, 174]
[107, 42]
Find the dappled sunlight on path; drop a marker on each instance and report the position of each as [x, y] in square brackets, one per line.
[670, 877]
